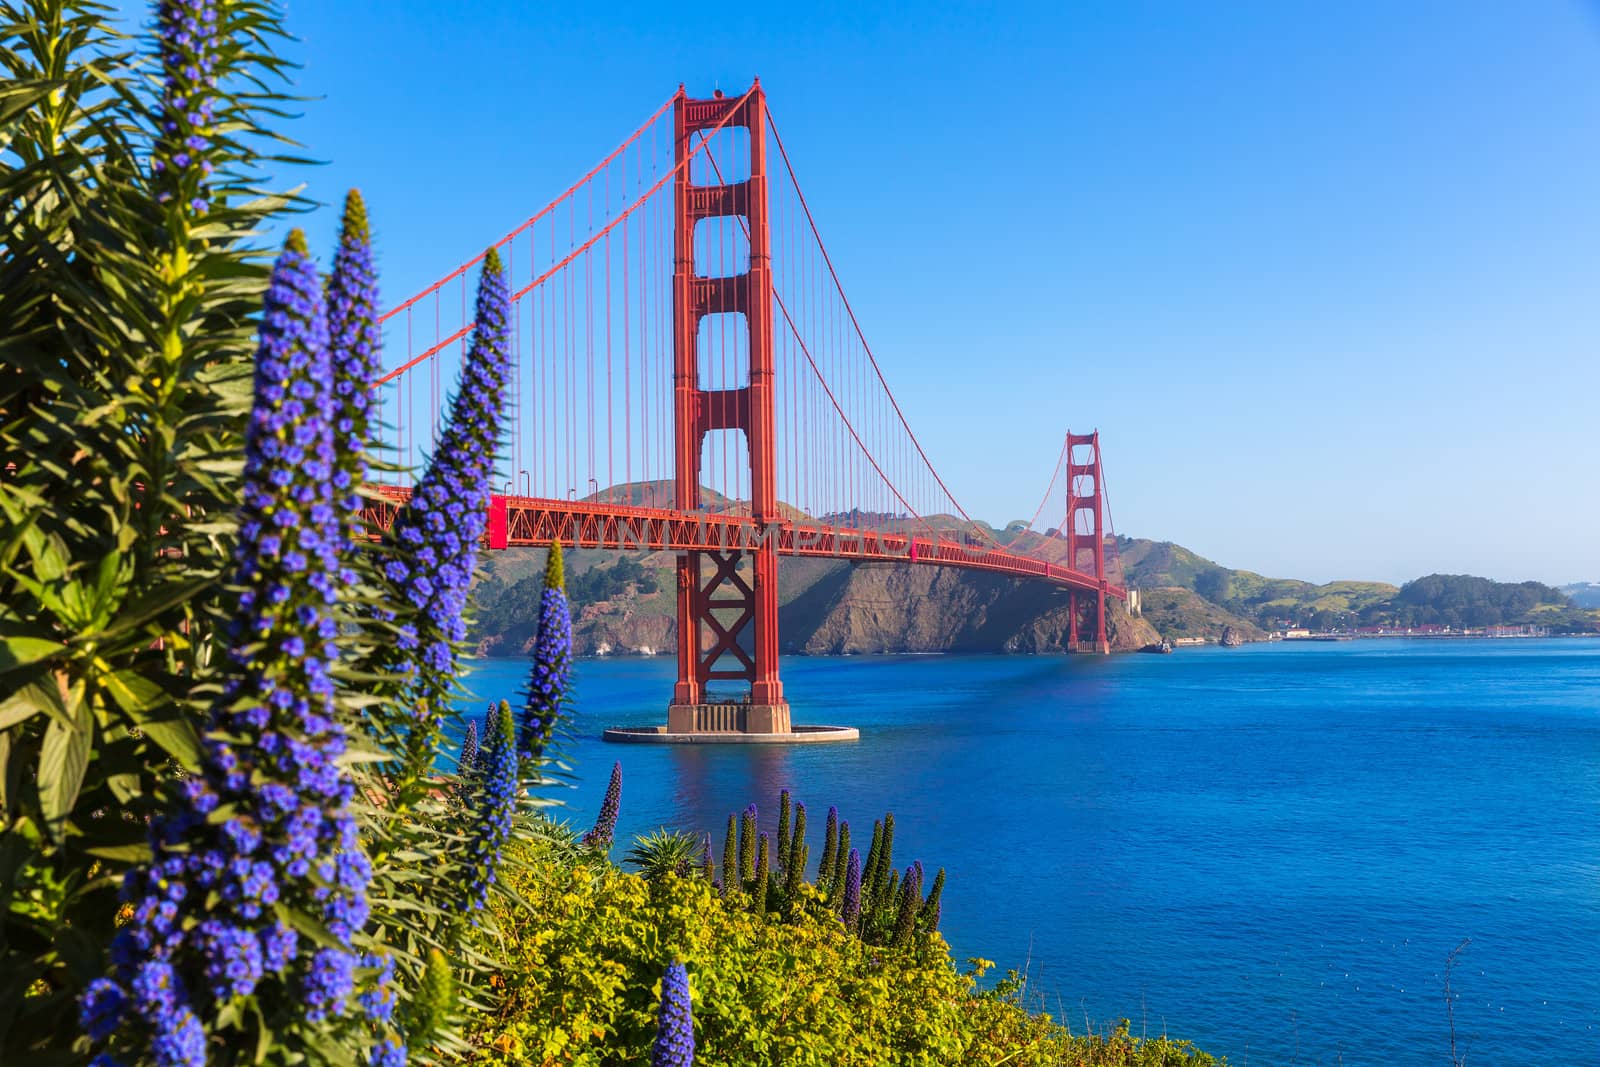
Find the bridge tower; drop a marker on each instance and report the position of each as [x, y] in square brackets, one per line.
[1086, 542]
[728, 598]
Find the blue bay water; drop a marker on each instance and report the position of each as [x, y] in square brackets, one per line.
[1269, 850]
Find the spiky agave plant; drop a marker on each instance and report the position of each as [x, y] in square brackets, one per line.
[665, 851]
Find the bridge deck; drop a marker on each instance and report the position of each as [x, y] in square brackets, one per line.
[534, 522]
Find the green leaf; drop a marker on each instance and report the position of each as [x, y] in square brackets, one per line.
[123, 786]
[134, 693]
[31, 699]
[5, 777]
[63, 759]
[177, 737]
[151, 604]
[137, 852]
[19, 651]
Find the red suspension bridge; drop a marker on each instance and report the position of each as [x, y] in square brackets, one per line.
[690, 377]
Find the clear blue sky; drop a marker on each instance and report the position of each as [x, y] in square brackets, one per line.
[1325, 275]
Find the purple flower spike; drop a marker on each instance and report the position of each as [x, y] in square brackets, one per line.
[469, 752]
[605, 827]
[188, 40]
[552, 662]
[356, 342]
[674, 1045]
[852, 890]
[497, 808]
[435, 537]
[203, 928]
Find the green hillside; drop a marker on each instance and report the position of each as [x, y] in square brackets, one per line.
[627, 601]
[1161, 568]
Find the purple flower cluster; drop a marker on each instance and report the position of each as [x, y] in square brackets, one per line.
[497, 806]
[388, 1052]
[266, 823]
[604, 830]
[852, 890]
[378, 1001]
[188, 41]
[552, 661]
[436, 535]
[356, 344]
[469, 752]
[674, 1045]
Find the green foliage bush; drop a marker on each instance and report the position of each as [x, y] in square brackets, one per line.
[587, 944]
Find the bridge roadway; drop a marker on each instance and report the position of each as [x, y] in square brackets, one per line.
[535, 522]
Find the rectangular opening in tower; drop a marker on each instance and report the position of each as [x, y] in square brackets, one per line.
[722, 351]
[721, 157]
[722, 247]
[725, 471]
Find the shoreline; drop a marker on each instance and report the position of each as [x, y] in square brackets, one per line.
[1179, 644]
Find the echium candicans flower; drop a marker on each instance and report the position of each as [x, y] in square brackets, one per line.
[355, 342]
[852, 891]
[830, 849]
[730, 858]
[674, 1045]
[497, 807]
[605, 827]
[836, 877]
[266, 822]
[883, 876]
[187, 37]
[433, 1001]
[469, 752]
[552, 662]
[747, 844]
[795, 873]
[929, 918]
[909, 904]
[760, 883]
[435, 536]
[784, 805]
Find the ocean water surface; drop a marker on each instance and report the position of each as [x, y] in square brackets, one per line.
[1269, 850]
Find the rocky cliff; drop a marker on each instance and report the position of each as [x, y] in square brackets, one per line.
[826, 608]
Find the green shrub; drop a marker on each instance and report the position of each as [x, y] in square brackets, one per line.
[587, 947]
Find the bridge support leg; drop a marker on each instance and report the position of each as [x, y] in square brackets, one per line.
[727, 626]
[1072, 621]
[1101, 645]
[1086, 530]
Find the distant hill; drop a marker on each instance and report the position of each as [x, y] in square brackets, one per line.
[1178, 612]
[1583, 594]
[626, 602]
[1269, 603]
[1455, 600]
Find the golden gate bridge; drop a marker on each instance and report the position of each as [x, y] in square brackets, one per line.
[690, 377]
